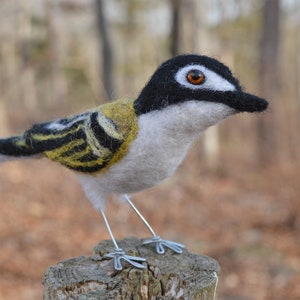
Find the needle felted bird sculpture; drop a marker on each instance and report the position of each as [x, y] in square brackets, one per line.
[127, 146]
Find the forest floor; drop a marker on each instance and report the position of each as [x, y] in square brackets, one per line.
[248, 220]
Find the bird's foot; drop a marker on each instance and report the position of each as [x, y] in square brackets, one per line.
[160, 244]
[119, 254]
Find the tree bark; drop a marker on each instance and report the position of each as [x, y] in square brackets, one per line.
[56, 37]
[185, 27]
[168, 276]
[106, 49]
[269, 81]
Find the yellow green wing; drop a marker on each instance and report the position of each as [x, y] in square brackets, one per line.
[89, 142]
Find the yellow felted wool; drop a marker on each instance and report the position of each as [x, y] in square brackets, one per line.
[118, 122]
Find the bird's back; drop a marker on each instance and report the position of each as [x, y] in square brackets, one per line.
[89, 142]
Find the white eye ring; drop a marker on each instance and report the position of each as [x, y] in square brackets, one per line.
[212, 81]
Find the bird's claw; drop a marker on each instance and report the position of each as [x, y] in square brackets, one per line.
[119, 254]
[160, 244]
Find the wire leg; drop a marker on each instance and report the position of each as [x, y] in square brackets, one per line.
[109, 230]
[127, 198]
[118, 254]
[159, 243]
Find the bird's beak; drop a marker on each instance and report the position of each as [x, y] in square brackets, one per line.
[244, 102]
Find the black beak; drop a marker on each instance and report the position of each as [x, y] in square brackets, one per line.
[243, 102]
[250, 103]
[238, 100]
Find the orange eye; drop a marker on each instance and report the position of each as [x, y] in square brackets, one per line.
[195, 77]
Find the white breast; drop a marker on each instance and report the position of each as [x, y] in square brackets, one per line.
[163, 140]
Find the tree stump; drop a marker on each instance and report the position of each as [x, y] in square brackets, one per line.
[167, 276]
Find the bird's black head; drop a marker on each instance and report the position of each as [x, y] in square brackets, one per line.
[194, 77]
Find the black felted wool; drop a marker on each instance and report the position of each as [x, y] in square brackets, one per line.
[159, 93]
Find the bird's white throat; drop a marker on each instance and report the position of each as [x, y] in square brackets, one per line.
[186, 120]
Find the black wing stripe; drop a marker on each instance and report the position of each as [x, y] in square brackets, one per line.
[89, 169]
[103, 138]
[52, 143]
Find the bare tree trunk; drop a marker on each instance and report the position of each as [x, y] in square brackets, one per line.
[107, 63]
[27, 88]
[3, 119]
[269, 79]
[296, 125]
[184, 34]
[55, 37]
[175, 40]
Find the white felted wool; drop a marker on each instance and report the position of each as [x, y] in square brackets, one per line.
[163, 140]
[4, 158]
[212, 82]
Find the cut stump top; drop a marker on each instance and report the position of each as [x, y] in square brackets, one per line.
[167, 276]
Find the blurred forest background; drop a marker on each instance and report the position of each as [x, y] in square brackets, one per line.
[235, 198]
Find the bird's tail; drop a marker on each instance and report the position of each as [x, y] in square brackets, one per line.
[17, 147]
